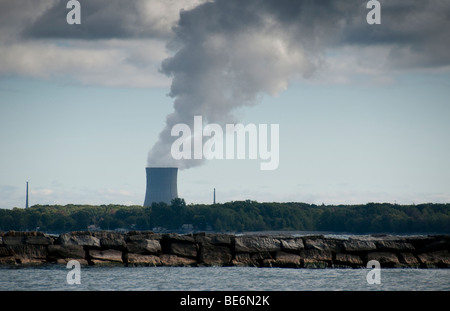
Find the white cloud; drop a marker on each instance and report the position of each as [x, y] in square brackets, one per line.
[131, 63]
[126, 62]
[92, 56]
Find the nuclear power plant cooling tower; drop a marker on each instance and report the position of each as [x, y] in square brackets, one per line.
[161, 185]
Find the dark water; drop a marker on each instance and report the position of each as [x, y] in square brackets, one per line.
[54, 277]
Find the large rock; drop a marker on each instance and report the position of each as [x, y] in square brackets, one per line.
[313, 258]
[82, 238]
[409, 259]
[13, 240]
[316, 254]
[109, 255]
[174, 260]
[420, 242]
[256, 244]
[65, 251]
[243, 259]
[294, 245]
[137, 237]
[7, 255]
[39, 240]
[386, 259]
[439, 243]
[215, 239]
[252, 259]
[110, 240]
[260, 257]
[144, 246]
[354, 245]
[283, 260]
[183, 249]
[439, 259]
[188, 238]
[29, 237]
[350, 260]
[215, 255]
[143, 243]
[6, 252]
[323, 244]
[8, 260]
[139, 259]
[394, 245]
[180, 245]
[29, 253]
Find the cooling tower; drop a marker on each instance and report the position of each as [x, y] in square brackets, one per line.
[161, 185]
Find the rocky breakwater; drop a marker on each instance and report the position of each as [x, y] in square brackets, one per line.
[137, 248]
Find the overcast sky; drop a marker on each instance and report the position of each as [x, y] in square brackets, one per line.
[363, 110]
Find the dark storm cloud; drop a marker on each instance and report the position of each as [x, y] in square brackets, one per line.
[100, 19]
[416, 29]
[417, 32]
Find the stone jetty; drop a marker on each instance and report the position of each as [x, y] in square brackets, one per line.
[144, 248]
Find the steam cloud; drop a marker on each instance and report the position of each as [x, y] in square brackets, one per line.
[226, 53]
[229, 53]
[227, 57]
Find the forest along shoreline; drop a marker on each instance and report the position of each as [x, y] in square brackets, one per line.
[235, 216]
[146, 248]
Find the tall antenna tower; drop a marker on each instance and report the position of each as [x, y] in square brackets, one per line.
[214, 195]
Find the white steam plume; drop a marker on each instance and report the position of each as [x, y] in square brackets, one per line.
[217, 69]
[228, 53]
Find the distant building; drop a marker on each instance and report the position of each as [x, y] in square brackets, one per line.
[93, 228]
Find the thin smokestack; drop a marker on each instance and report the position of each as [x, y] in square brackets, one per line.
[161, 185]
[26, 200]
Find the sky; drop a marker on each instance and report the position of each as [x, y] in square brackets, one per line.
[362, 109]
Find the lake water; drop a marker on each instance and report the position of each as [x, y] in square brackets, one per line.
[54, 277]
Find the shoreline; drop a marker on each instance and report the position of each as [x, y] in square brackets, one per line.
[254, 249]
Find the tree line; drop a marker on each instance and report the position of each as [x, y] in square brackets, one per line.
[235, 216]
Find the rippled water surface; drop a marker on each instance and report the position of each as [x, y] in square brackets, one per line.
[53, 277]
